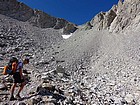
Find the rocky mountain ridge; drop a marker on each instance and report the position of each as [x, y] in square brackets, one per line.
[22, 12]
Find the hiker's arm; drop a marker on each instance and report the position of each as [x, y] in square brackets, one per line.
[21, 75]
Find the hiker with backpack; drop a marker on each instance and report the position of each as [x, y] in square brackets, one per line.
[18, 78]
[14, 68]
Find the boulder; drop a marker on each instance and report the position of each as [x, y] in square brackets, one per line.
[129, 98]
[21, 103]
[45, 89]
[2, 87]
[35, 100]
[60, 69]
[48, 86]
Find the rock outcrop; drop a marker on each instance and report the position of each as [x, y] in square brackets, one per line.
[103, 20]
[22, 12]
[128, 14]
[118, 18]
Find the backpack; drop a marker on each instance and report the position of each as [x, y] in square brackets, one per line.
[11, 67]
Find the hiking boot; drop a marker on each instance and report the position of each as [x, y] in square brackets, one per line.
[12, 98]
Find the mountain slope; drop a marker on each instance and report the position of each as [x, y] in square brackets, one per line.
[106, 62]
[19, 37]
[98, 64]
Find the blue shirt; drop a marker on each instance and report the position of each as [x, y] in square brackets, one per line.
[20, 66]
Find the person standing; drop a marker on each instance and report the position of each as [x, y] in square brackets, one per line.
[18, 78]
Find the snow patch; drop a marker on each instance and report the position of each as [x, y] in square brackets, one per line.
[67, 36]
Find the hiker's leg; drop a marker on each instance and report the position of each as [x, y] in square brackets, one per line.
[13, 88]
[21, 87]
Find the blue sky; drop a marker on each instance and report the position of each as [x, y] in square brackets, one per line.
[75, 11]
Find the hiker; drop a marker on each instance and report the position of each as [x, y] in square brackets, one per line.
[18, 78]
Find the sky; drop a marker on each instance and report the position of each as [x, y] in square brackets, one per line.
[75, 11]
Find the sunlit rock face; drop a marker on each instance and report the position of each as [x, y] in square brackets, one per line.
[118, 19]
[128, 13]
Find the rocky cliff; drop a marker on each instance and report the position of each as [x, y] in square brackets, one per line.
[22, 12]
[118, 18]
[128, 15]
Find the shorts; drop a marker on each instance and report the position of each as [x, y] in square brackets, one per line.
[17, 78]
